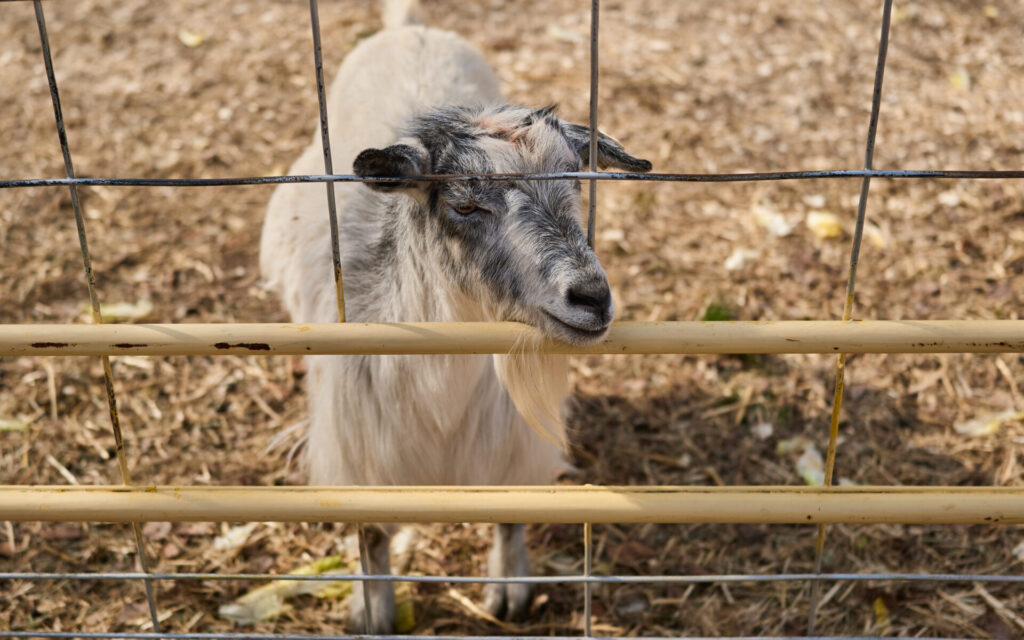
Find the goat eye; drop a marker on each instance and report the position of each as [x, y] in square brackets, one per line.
[466, 209]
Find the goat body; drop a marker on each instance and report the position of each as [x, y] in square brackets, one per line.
[437, 419]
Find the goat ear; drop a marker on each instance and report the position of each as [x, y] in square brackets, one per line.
[609, 152]
[396, 161]
[540, 114]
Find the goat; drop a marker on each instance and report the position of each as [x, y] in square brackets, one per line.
[413, 100]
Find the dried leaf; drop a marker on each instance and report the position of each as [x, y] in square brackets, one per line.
[170, 551]
[987, 425]
[998, 628]
[810, 466]
[633, 606]
[475, 609]
[762, 431]
[949, 198]
[613, 235]
[12, 424]
[564, 35]
[739, 259]
[792, 445]
[561, 564]
[156, 530]
[961, 80]
[268, 601]
[62, 531]
[875, 236]
[881, 611]
[194, 529]
[824, 225]
[631, 552]
[814, 200]
[191, 39]
[773, 221]
[120, 311]
[235, 537]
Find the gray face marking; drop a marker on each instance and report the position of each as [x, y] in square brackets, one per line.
[519, 248]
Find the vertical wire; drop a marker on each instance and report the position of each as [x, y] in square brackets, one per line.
[837, 399]
[325, 139]
[97, 316]
[332, 213]
[595, 14]
[595, 10]
[588, 587]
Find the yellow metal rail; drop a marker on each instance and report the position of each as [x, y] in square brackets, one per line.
[565, 504]
[884, 336]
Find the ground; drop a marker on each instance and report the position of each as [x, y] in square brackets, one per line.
[192, 88]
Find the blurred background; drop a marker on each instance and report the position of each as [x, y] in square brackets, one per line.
[211, 89]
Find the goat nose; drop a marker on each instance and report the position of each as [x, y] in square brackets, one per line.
[593, 297]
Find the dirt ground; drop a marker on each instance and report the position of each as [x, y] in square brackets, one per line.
[193, 88]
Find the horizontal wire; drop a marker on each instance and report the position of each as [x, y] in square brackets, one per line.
[573, 579]
[142, 635]
[570, 175]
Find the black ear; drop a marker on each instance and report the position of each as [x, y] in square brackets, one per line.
[396, 161]
[609, 152]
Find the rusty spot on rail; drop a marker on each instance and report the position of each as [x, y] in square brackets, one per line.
[49, 345]
[1000, 343]
[130, 345]
[251, 346]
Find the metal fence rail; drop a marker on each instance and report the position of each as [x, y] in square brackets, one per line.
[561, 504]
[736, 504]
[799, 336]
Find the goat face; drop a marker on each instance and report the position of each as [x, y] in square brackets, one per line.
[518, 247]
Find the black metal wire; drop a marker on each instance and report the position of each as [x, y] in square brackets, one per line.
[823, 174]
[573, 579]
[97, 316]
[869, 153]
[142, 635]
[595, 14]
[858, 234]
[325, 141]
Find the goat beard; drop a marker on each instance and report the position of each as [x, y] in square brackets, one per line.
[538, 384]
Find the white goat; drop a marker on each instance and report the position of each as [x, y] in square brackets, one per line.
[409, 101]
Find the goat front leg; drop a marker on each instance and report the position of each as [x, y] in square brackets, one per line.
[508, 558]
[382, 593]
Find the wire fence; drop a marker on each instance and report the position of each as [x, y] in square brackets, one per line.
[1003, 504]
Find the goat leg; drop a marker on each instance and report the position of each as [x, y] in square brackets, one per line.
[508, 557]
[382, 593]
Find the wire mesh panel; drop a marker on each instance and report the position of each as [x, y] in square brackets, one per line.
[133, 505]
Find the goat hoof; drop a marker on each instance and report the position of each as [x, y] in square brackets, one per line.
[507, 601]
[494, 599]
